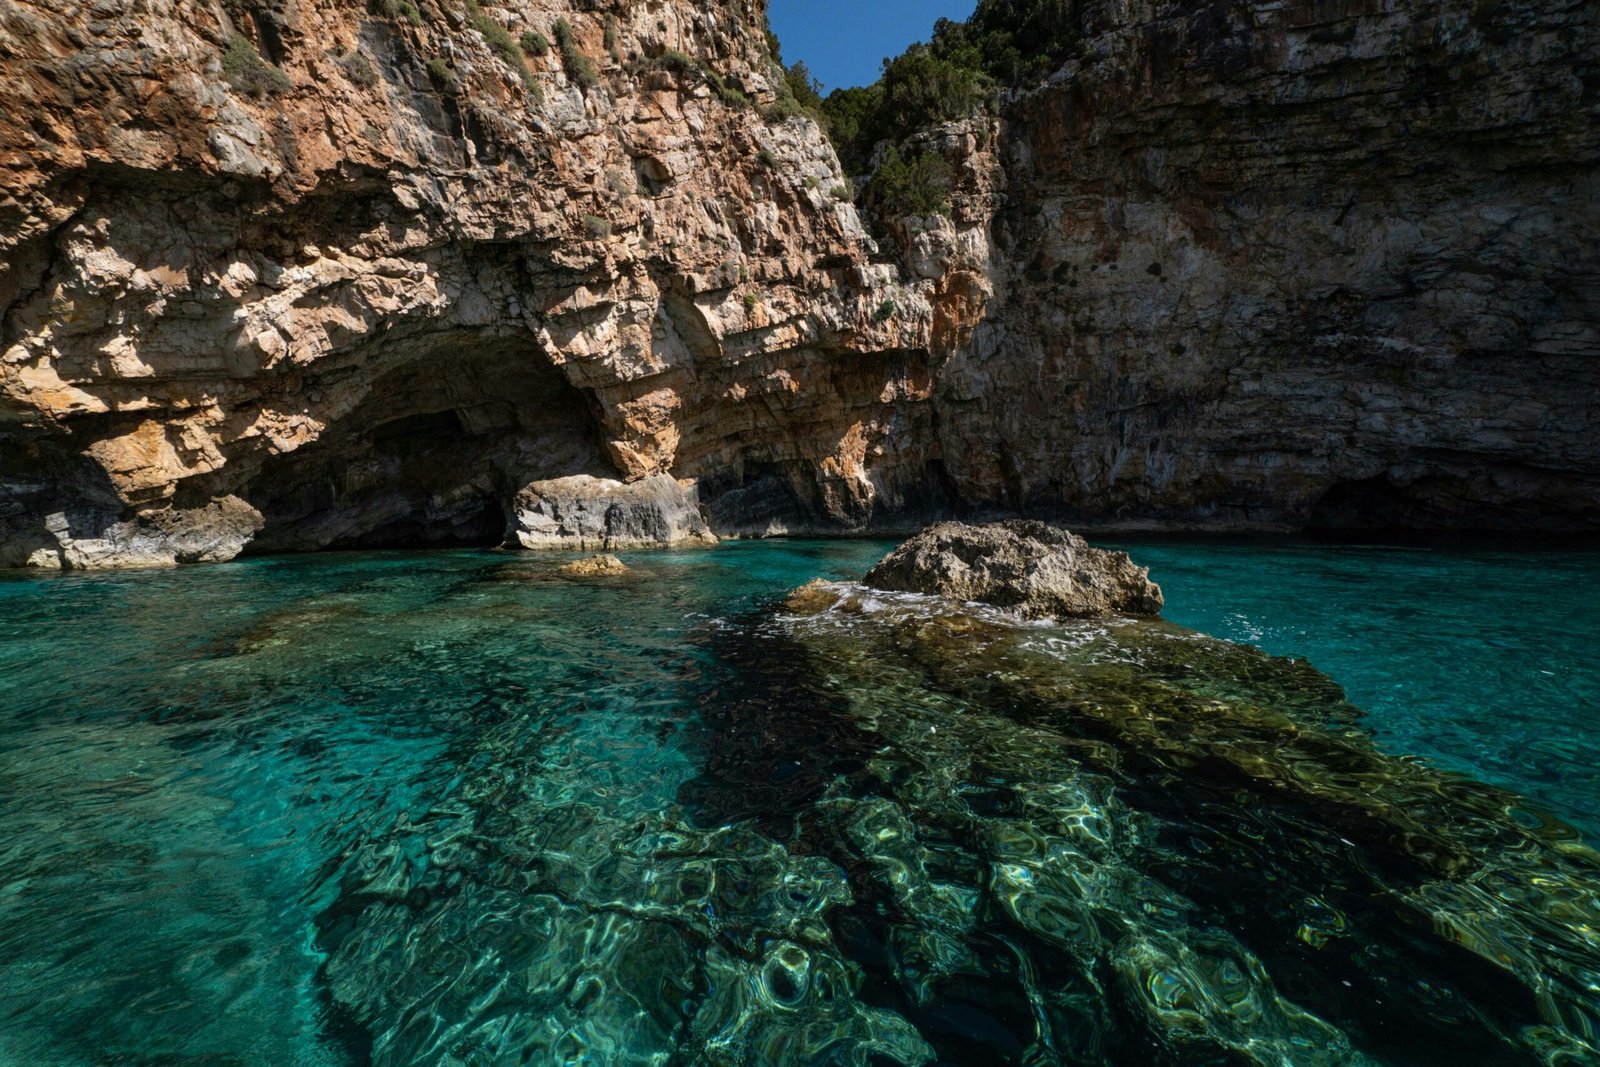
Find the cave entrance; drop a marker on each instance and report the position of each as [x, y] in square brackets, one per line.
[432, 453]
[431, 458]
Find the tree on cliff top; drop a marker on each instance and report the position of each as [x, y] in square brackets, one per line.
[1006, 43]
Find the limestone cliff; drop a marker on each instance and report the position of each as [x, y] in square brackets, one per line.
[1279, 264]
[286, 274]
[415, 272]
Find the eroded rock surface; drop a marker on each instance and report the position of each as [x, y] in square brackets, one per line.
[1033, 568]
[374, 303]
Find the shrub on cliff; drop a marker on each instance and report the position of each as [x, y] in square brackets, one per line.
[919, 184]
[247, 72]
[922, 87]
[499, 38]
[726, 91]
[577, 65]
[359, 69]
[1017, 41]
[918, 88]
[678, 62]
[610, 39]
[856, 122]
[396, 9]
[795, 93]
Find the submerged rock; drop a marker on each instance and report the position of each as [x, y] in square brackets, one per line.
[1181, 827]
[1032, 567]
[599, 566]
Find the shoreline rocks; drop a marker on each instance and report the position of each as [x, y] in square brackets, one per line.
[1033, 568]
[585, 512]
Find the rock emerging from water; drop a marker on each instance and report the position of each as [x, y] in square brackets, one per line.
[1033, 568]
[604, 565]
[584, 512]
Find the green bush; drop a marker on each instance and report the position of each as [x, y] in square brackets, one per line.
[577, 65]
[359, 69]
[440, 73]
[729, 94]
[595, 226]
[915, 185]
[1003, 43]
[767, 159]
[534, 43]
[885, 312]
[610, 39]
[247, 72]
[1017, 41]
[396, 9]
[806, 89]
[499, 38]
[796, 93]
[750, 301]
[856, 121]
[921, 88]
[675, 61]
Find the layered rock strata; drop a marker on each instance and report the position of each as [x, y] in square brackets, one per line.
[1279, 265]
[288, 274]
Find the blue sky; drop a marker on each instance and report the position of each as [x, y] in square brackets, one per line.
[844, 41]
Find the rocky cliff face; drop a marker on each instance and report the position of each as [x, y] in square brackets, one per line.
[286, 274]
[1331, 263]
[374, 304]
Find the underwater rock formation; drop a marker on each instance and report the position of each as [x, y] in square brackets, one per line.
[277, 274]
[897, 830]
[601, 566]
[1197, 843]
[1033, 568]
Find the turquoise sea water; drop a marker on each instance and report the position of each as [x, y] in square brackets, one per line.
[451, 807]
[1483, 661]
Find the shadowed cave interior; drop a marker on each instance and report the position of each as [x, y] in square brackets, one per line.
[432, 454]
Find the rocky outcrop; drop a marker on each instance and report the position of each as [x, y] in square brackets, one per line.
[288, 274]
[1032, 568]
[1280, 265]
[583, 512]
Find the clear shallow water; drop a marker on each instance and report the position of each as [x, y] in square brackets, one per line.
[450, 808]
[1482, 661]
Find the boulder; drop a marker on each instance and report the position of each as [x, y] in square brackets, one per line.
[1033, 568]
[583, 512]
